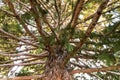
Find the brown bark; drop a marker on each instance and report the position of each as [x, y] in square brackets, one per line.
[57, 73]
[90, 70]
[54, 69]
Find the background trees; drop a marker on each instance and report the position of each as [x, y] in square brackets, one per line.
[61, 36]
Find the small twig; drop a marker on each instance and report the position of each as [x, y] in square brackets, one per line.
[49, 11]
[115, 73]
[7, 12]
[108, 19]
[52, 29]
[96, 76]
[26, 6]
[76, 64]
[58, 11]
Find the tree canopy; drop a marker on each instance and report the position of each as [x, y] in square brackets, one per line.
[61, 39]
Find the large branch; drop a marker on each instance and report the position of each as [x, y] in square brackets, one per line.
[25, 50]
[25, 77]
[39, 26]
[76, 12]
[75, 15]
[37, 18]
[12, 60]
[25, 54]
[18, 39]
[91, 26]
[11, 6]
[23, 64]
[89, 30]
[104, 69]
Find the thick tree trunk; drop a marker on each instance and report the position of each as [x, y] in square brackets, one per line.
[54, 69]
[57, 73]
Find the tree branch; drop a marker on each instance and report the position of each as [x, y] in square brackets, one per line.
[11, 6]
[37, 18]
[91, 16]
[52, 29]
[39, 26]
[58, 11]
[50, 11]
[104, 69]
[7, 12]
[19, 51]
[32, 55]
[23, 64]
[18, 39]
[76, 12]
[12, 60]
[89, 30]
[115, 73]
[25, 77]
[91, 26]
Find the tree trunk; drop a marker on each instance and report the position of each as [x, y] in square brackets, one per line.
[56, 73]
[54, 70]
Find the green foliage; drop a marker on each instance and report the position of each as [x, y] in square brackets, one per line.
[24, 73]
[107, 76]
[26, 16]
[41, 42]
[2, 59]
[96, 1]
[27, 71]
[51, 39]
[109, 59]
[117, 46]
[117, 54]
[79, 34]
[25, 1]
[65, 34]
[69, 47]
[13, 28]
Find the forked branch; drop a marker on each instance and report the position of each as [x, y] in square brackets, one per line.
[89, 30]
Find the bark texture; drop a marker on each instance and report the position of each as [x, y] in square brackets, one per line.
[54, 69]
[57, 73]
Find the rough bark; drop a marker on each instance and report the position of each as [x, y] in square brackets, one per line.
[54, 69]
[57, 73]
